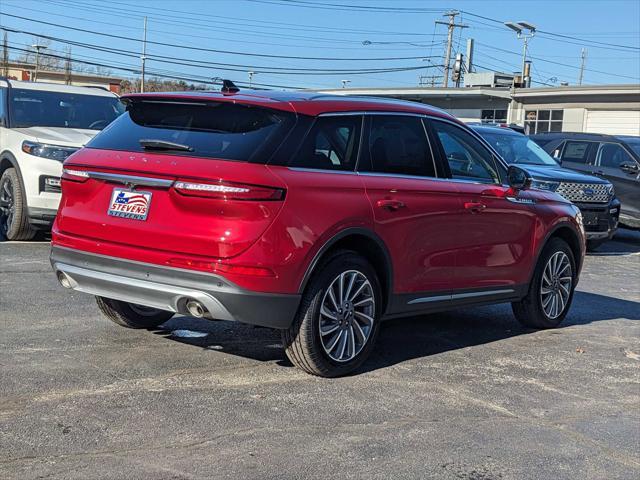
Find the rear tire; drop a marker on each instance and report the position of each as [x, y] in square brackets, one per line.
[130, 315]
[14, 220]
[336, 327]
[551, 290]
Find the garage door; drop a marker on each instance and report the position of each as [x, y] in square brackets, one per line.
[613, 122]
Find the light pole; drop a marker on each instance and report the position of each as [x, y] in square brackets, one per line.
[37, 48]
[251, 74]
[521, 29]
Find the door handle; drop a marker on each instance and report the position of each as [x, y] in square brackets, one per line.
[474, 207]
[390, 204]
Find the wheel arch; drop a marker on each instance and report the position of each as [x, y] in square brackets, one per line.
[565, 231]
[364, 242]
[7, 161]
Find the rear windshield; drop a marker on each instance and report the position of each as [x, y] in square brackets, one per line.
[38, 108]
[206, 129]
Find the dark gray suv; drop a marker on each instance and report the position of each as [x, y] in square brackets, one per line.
[616, 158]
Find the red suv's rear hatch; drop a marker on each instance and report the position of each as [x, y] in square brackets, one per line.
[187, 178]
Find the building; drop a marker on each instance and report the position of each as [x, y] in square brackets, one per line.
[611, 109]
[25, 72]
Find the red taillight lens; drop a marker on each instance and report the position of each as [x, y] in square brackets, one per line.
[221, 267]
[228, 191]
[75, 175]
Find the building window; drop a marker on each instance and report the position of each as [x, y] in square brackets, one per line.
[539, 121]
[494, 116]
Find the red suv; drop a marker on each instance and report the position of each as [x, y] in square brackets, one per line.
[317, 215]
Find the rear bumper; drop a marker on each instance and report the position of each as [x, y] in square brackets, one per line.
[170, 289]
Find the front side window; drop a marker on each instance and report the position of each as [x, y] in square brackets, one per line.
[612, 155]
[399, 145]
[576, 151]
[332, 144]
[37, 108]
[540, 121]
[468, 159]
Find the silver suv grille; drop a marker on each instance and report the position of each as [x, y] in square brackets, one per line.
[585, 192]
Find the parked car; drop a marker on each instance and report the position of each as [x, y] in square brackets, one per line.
[316, 215]
[594, 196]
[41, 124]
[616, 158]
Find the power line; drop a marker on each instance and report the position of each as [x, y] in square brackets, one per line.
[201, 49]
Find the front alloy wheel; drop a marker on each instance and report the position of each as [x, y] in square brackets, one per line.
[555, 288]
[14, 221]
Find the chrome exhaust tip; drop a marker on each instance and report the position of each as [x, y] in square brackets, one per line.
[196, 309]
[64, 280]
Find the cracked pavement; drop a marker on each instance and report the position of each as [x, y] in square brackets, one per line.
[467, 394]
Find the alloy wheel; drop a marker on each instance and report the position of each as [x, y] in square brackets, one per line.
[347, 314]
[7, 205]
[555, 288]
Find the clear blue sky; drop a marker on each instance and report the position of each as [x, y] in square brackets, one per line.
[320, 28]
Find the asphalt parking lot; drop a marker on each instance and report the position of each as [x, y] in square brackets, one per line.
[462, 395]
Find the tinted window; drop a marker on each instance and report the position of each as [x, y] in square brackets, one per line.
[332, 144]
[575, 151]
[468, 159]
[612, 155]
[36, 108]
[3, 107]
[634, 143]
[399, 145]
[215, 130]
[518, 149]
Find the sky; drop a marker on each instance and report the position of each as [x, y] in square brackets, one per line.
[320, 43]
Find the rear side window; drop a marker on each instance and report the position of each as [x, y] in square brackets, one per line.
[577, 152]
[209, 129]
[332, 144]
[398, 145]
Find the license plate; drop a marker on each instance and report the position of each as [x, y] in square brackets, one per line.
[591, 220]
[129, 204]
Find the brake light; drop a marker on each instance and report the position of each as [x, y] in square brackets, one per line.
[217, 267]
[75, 175]
[228, 191]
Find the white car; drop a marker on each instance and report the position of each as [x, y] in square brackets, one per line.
[41, 124]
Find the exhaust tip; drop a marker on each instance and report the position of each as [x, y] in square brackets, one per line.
[64, 280]
[196, 309]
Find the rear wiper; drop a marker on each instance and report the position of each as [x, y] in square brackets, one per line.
[151, 144]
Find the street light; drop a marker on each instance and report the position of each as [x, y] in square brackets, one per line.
[37, 48]
[521, 29]
[251, 74]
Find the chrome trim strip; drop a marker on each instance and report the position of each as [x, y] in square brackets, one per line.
[322, 170]
[131, 179]
[458, 296]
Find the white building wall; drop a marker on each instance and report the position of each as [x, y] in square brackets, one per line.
[573, 119]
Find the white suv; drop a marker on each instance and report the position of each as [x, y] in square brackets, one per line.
[41, 124]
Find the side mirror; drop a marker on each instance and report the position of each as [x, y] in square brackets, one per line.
[629, 167]
[519, 178]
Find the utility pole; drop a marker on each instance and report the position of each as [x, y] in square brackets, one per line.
[583, 61]
[143, 57]
[5, 56]
[37, 47]
[451, 25]
[67, 67]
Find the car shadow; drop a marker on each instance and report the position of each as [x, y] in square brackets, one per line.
[399, 340]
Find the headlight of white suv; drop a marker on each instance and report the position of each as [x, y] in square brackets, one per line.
[545, 185]
[53, 152]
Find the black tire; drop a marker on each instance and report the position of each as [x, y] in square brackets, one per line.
[130, 315]
[14, 220]
[530, 311]
[593, 245]
[302, 341]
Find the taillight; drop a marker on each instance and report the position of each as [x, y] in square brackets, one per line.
[228, 191]
[75, 175]
[219, 267]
